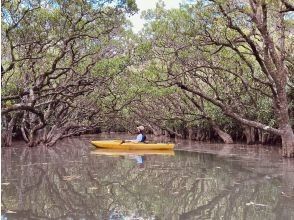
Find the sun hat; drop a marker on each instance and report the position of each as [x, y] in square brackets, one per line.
[140, 128]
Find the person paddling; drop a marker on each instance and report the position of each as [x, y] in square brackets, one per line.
[141, 137]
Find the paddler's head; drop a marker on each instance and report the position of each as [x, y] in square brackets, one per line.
[140, 129]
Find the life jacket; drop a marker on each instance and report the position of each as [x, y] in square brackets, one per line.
[143, 138]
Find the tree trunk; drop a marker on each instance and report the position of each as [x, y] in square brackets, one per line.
[263, 137]
[173, 132]
[166, 133]
[7, 134]
[198, 134]
[226, 138]
[31, 139]
[54, 140]
[281, 107]
[288, 142]
[249, 134]
[190, 133]
[23, 131]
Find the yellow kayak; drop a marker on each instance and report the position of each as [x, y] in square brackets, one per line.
[123, 152]
[117, 144]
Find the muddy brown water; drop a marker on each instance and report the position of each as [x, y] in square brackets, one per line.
[201, 181]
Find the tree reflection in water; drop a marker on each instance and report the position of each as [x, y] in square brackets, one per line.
[67, 182]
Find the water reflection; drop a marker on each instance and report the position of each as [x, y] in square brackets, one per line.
[71, 182]
[123, 152]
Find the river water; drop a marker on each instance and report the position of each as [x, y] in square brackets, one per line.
[197, 181]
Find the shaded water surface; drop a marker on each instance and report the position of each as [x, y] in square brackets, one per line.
[200, 181]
